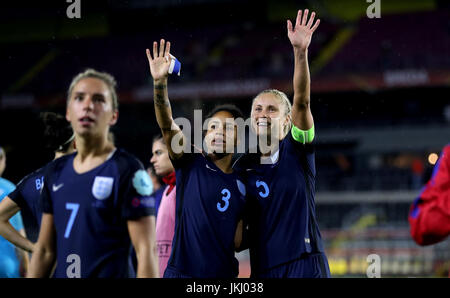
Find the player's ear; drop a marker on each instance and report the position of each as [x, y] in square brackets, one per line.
[287, 122]
[67, 113]
[114, 118]
[288, 119]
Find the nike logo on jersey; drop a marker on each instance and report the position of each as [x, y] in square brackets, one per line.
[57, 187]
[211, 168]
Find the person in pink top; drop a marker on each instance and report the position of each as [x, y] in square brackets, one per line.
[165, 219]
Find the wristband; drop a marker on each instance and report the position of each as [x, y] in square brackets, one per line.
[302, 136]
[175, 65]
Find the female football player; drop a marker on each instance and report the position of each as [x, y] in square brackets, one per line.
[284, 236]
[209, 196]
[96, 201]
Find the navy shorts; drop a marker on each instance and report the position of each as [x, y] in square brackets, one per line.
[307, 266]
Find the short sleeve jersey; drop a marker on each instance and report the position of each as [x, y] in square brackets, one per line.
[282, 219]
[26, 196]
[91, 211]
[209, 204]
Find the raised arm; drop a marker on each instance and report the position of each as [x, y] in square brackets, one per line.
[8, 208]
[159, 66]
[300, 38]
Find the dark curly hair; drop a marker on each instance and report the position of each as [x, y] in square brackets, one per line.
[58, 133]
[232, 109]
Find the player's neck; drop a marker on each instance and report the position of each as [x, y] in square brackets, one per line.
[268, 150]
[268, 145]
[223, 162]
[93, 147]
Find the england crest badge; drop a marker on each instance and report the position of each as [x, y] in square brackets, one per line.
[102, 187]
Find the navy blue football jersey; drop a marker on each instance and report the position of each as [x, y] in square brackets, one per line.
[282, 220]
[26, 196]
[91, 211]
[209, 204]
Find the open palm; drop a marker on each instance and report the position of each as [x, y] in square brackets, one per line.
[159, 64]
[300, 35]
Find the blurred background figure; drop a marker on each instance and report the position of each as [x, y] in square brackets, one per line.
[13, 262]
[5, 185]
[58, 138]
[158, 183]
[162, 174]
[429, 217]
[165, 219]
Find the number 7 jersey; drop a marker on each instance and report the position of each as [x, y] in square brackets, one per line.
[91, 211]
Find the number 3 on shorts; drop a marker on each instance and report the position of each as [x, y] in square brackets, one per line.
[226, 196]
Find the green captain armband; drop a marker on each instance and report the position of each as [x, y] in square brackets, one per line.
[302, 136]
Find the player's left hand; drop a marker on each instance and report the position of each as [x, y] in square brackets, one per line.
[160, 62]
[300, 35]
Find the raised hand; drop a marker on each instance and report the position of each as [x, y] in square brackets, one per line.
[300, 35]
[159, 64]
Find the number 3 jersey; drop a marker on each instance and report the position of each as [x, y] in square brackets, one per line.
[91, 211]
[209, 204]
